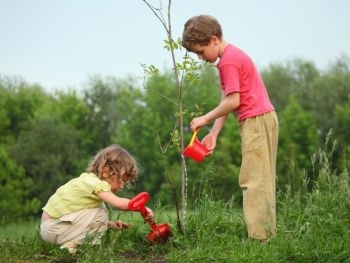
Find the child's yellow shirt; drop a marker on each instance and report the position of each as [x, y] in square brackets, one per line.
[77, 194]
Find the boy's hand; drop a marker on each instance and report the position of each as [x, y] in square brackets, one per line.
[118, 225]
[198, 122]
[209, 141]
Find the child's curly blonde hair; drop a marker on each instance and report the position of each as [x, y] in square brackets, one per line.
[117, 160]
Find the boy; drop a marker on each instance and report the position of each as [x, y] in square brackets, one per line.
[244, 93]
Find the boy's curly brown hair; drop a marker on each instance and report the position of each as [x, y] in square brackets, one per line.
[199, 30]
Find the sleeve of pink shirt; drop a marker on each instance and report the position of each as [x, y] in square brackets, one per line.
[229, 79]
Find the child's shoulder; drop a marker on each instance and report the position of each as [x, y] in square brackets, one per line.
[93, 182]
[89, 177]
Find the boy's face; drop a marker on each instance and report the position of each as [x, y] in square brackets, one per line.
[208, 53]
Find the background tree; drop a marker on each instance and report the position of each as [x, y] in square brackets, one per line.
[19, 102]
[48, 151]
[100, 98]
[330, 89]
[341, 132]
[293, 77]
[298, 141]
[15, 202]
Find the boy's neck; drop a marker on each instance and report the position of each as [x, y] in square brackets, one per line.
[222, 47]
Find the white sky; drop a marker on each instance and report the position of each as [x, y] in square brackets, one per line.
[60, 43]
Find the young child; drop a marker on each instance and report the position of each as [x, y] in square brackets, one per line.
[244, 93]
[76, 212]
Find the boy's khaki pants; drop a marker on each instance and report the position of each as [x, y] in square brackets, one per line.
[257, 177]
[75, 228]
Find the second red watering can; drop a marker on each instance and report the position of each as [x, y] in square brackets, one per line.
[158, 233]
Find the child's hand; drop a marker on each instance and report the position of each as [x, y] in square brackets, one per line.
[117, 225]
[149, 214]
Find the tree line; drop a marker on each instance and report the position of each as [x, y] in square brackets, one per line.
[47, 138]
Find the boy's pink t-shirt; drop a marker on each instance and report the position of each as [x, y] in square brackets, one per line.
[237, 73]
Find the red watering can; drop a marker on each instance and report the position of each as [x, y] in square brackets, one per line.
[195, 150]
[158, 232]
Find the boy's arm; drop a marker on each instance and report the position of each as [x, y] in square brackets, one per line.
[227, 105]
[209, 140]
[218, 124]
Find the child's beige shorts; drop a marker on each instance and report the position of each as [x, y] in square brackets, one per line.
[84, 225]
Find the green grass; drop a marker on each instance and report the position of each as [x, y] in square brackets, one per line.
[311, 228]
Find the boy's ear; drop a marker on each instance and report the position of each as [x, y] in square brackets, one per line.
[215, 39]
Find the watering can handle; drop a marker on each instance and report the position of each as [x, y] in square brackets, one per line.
[143, 198]
[137, 203]
[193, 137]
[143, 212]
